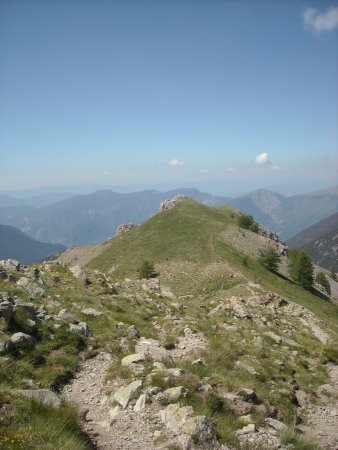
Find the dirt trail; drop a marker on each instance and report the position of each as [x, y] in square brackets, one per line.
[130, 430]
[323, 420]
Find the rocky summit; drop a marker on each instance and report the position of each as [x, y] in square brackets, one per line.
[211, 351]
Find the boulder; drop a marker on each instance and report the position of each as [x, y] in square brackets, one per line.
[10, 264]
[79, 328]
[6, 310]
[32, 288]
[133, 332]
[140, 403]
[3, 273]
[169, 204]
[67, 316]
[125, 394]
[45, 396]
[91, 312]
[132, 359]
[151, 348]
[175, 393]
[28, 308]
[275, 424]
[189, 428]
[21, 340]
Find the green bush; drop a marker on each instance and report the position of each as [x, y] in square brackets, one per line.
[247, 222]
[147, 270]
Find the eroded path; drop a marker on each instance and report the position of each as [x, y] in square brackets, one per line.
[130, 430]
[322, 421]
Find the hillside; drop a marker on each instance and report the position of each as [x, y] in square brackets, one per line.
[14, 244]
[214, 353]
[320, 241]
[286, 216]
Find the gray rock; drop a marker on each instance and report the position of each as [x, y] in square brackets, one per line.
[79, 273]
[127, 393]
[175, 393]
[275, 424]
[189, 428]
[249, 394]
[132, 332]
[67, 316]
[151, 348]
[79, 328]
[44, 396]
[21, 340]
[91, 312]
[32, 288]
[132, 359]
[113, 413]
[10, 264]
[28, 308]
[6, 310]
[141, 403]
[301, 397]
[3, 273]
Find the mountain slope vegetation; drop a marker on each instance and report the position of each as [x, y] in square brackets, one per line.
[320, 241]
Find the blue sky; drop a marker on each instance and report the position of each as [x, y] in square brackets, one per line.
[214, 94]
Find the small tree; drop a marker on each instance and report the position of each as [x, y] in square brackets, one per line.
[147, 270]
[270, 259]
[301, 268]
[324, 282]
[247, 222]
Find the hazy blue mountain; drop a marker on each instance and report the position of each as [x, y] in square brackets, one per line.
[287, 216]
[84, 219]
[36, 201]
[320, 240]
[17, 245]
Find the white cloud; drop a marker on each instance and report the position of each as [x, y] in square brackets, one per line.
[231, 169]
[204, 170]
[175, 163]
[262, 158]
[321, 21]
[275, 167]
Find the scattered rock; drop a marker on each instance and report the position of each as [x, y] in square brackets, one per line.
[127, 393]
[169, 204]
[151, 348]
[10, 264]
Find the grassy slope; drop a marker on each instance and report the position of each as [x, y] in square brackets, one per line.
[187, 238]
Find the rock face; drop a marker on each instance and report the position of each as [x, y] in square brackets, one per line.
[124, 228]
[10, 264]
[169, 204]
[188, 428]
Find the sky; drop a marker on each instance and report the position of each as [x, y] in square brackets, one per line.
[221, 95]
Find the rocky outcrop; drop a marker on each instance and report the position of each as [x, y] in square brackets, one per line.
[124, 228]
[169, 204]
[45, 396]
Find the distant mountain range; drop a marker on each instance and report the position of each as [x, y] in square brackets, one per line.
[85, 219]
[320, 241]
[17, 245]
